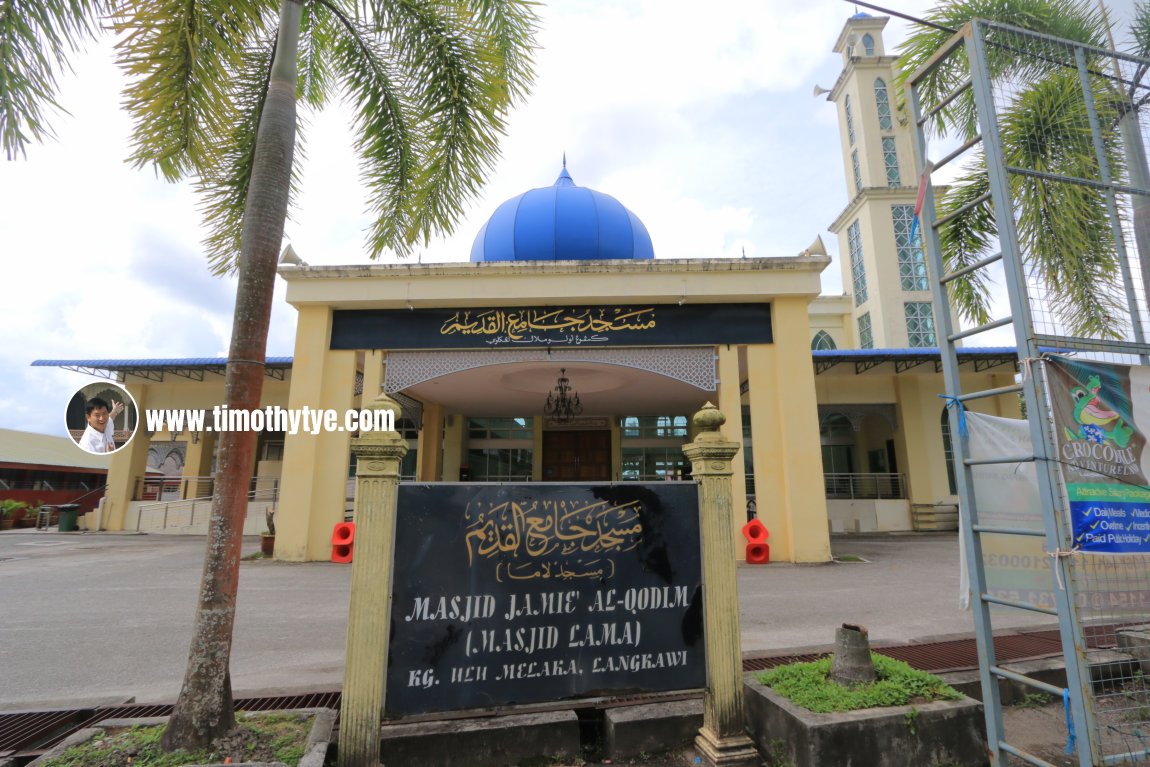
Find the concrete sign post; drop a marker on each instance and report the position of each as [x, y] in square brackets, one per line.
[722, 741]
[369, 613]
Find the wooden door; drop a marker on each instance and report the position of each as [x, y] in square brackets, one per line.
[577, 456]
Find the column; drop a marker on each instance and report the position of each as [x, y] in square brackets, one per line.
[369, 611]
[314, 487]
[453, 424]
[730, 401]
[374, 361]
[127, 466]
[431, 443]
[722, 739]
[787, 456]
[198, 463]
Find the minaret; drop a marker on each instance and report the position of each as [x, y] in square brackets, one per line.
[884, 272]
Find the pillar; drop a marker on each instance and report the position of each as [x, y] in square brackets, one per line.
[369, 611]
[128, 465]
[314, 487]
[373, 364]
[431, 443]
[787, 456]
[198, 463]
[730, 401]
[722, 740]
[453, 424]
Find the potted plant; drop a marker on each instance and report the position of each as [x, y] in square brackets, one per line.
[8, 512]
[268, 537]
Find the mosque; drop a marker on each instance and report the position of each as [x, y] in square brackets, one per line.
[565, 351]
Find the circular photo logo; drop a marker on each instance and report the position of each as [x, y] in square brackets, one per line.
[102, 417]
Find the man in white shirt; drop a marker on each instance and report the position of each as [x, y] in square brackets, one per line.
[99, 434]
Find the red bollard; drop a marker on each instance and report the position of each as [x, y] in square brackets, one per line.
[758, 553]
[756, 533]
[342, 542]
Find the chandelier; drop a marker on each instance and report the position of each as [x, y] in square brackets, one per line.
[564, 405]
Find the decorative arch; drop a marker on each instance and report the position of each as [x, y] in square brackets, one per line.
[694, 366]
[868, 44]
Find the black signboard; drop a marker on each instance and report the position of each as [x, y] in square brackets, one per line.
[552, 326]
[523, 593]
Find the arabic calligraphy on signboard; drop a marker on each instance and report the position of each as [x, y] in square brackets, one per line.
[551, 539]
[562, 325]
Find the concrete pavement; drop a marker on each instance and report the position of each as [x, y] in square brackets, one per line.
[98, 617]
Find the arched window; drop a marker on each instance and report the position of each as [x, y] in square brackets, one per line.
[882, 103]
[823, 340]
[948, 452]
[850, 119]
[868, 45]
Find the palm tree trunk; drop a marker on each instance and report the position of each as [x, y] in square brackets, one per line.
[204, 708]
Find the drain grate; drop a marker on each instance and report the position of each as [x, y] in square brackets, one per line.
[24, 735]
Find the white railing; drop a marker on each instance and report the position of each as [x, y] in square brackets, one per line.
[191, 512]
[865, 486]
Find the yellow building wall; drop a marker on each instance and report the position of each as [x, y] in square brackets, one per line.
[784, 426]
[315, 467]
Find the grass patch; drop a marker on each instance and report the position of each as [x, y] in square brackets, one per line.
[255, 556]
[806, 685]
[277, 737]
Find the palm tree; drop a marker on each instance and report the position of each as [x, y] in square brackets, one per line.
[213, 91]
[1063, 228]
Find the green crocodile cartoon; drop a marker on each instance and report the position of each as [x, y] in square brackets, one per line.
[1097, 422]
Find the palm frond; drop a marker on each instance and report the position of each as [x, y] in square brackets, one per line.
[964, 240]
[315, 42]
[180, 56]
[510, 26]
[36, 37]
[224, 186]
[1075, 20]
[1064, 227]
[387, 136]
[1140, 30]
[460, 102]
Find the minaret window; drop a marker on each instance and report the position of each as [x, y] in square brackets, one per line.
[858, 271]
[823, 341]
[890, 162]
[850, 119]
[882, 102]
[919, 324]
[857, 171]
[868, 45]
[911, 262]
[866, 333]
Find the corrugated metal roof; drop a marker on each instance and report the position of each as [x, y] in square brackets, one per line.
[926, 351]
[177, 362]
[47, 450]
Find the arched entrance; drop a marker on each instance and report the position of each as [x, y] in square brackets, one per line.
[635, 407]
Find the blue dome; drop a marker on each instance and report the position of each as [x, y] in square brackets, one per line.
[562, 222]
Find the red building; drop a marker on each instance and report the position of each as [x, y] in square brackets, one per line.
[41, 469]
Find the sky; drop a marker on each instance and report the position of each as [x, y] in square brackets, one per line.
[702, 123]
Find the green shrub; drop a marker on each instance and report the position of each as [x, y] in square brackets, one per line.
[806, 685]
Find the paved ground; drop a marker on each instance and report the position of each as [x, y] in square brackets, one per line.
[91, 617]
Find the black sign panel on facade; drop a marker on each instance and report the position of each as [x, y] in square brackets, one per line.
[509, 594]
[552, 326]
